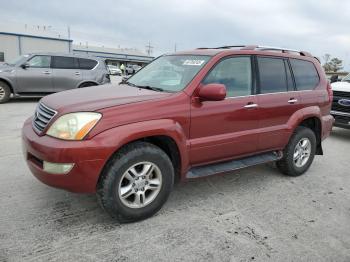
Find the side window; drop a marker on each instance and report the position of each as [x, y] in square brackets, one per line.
[305, 74]
[62, 62]
[272, 74]
[2, 56]
[87, 64]
[40, 61]
[235, 73]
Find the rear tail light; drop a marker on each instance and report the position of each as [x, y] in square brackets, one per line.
[330, 92]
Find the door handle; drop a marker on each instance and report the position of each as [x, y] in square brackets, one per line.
[46, 72]
[77, 73]
[250, 105]
[292, 101]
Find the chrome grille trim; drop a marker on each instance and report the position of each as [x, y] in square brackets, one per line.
[42, 117]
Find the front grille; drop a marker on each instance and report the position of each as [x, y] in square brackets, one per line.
[42, 117]
[342, 119]
[337, 95]
[337, 107]
[341, 94]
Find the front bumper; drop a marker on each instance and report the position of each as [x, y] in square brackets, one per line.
[342, 119]
[88, 157]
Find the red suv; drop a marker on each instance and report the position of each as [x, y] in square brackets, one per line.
[186, 115]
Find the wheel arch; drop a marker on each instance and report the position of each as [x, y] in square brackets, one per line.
[314, 123]
[168, 136]
[8, 82]
[87, 82]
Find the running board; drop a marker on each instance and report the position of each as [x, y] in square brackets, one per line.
[223, 167]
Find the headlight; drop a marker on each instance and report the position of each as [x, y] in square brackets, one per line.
[74, 126]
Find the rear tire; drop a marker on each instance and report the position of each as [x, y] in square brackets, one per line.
[136, 182]
[87, 85]
[299, 153]
[5, 92]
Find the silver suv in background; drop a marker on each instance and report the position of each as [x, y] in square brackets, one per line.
[37, 75]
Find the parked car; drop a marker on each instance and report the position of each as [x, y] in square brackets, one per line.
[44, 73]
[132, 69]
[114, 70]
[224, 109]
[341, 102]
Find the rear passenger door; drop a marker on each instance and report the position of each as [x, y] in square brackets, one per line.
[277, 101]
[65, 72]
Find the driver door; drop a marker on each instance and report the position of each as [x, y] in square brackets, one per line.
[36, 77]
[226, 129]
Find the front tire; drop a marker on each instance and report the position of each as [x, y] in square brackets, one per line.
[136, 182]
[299, 153]
[5, 92]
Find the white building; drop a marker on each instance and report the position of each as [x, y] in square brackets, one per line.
[31, 40]
[13, 45]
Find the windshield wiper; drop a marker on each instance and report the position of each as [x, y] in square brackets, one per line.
[146, 87]
[152, 88]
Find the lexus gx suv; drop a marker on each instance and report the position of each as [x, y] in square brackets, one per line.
[184, 116]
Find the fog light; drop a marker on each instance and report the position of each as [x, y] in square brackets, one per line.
[57, 168]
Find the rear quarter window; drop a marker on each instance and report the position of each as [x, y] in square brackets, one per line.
[87, 64]
[305, 74]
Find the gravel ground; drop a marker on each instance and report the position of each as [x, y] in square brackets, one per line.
[255, 214]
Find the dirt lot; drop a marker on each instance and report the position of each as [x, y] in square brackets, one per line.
[253, 214]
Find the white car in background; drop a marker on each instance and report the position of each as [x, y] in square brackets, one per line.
[114, 70]
[341, 102]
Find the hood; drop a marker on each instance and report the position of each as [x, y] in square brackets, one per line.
[99, 97]
[5, 68]
[341, 86]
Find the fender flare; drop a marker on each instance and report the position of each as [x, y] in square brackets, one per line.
[115, 138]
[9, 82]
[302, 114]
[87, 81]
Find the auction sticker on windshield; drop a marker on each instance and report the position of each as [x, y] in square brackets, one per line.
[194, 62]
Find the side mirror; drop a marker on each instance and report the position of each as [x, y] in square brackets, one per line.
[212, 92]
[25, 65]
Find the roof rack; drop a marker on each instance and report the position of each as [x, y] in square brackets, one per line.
[261, 48]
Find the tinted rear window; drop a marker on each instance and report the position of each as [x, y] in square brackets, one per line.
[272, 75]
[61, 62]
[305, 74]
[87, 64]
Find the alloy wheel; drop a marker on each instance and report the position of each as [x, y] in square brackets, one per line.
[302, 152]
[140, 185]
[2, 92]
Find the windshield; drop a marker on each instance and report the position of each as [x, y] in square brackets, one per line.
[169, 73]
[18, 60]
[347, 78]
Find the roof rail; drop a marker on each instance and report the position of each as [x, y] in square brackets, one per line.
[262, 48]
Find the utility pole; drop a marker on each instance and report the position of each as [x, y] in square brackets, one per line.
[175, 48]
[149, 48]
[68, 31]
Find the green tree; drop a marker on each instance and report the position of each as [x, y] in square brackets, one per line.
[332, 64]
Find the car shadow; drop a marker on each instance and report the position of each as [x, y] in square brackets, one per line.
[70, 209]
[341, 133]
[24, 100]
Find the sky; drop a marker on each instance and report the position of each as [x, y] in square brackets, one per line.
[320, 27]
